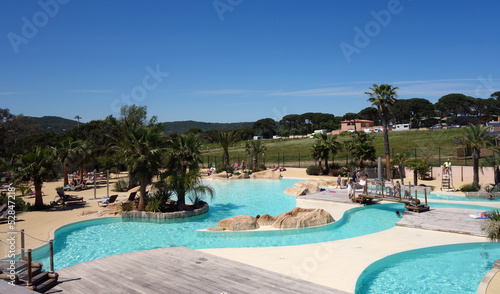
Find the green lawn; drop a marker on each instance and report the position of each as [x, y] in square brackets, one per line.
[433, 144]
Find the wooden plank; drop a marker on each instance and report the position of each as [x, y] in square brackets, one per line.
[176, 270]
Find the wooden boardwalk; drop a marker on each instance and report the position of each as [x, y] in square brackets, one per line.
[176, 270]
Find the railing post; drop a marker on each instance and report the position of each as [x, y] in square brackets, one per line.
[22, 244]
[30, 275]
[51, 243]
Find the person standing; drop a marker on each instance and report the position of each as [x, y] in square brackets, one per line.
[350, 189]
[339, 179]
[447, 166]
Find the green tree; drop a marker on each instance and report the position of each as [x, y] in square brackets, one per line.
[494, 162]
[362, 148]
[474, 138]
[226, 139]
[65, 152]
[383, 97]
[38, 166]
[400, 160]
[454, 104]
[185, 154]
[265, 127]
[319, 151]
[81, 155]
[419, 167]
[187, 183]
[142, 150]
[255, 148]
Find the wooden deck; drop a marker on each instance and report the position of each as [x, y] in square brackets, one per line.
[176, 270]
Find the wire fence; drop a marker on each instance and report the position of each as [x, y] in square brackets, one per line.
[434, 156]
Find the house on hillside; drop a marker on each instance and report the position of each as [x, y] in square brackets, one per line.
[360, 124]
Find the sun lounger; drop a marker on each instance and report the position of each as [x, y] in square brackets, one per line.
[63, 198]
[131, 197]
[110, 200]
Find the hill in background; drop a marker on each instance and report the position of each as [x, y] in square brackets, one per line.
[184, 126]
[52, 123]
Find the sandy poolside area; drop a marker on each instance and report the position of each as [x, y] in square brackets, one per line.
[336, 264]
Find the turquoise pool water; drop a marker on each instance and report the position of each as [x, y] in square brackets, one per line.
[441, 269]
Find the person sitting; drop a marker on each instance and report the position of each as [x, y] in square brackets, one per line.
[282, 169]
[274, 167]
[362, 182]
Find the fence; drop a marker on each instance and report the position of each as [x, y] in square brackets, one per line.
[434, 156]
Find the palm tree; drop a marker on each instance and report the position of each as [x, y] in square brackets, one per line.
[142, 150]
[255, 148]
[226, 139]
[185, 154]
[383, 97]
[66, 151]
[187, 183]
[38, 166]
[494, 162]
[400, 160]
[82, 153]
[318, 152]
[333, 145]
[474, 138]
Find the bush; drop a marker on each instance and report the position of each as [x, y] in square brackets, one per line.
[492, 189]
[333, 166]
[120, 186]
[19, 203]
[127, 206]
[313, 170]
[334, 172]
[470, 187]
[492, 225]
[262, 167]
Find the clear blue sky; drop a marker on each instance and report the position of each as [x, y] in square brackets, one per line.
[240, 60]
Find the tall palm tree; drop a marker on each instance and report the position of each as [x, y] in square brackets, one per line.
[333, 145]
[39, 166]
[183, 184]
[363, 151]
[255, 148]
[383, 97]
[474, 138]
[226, 139]
[185, 154]
[494, 162]
[142, 150]
[66, 151]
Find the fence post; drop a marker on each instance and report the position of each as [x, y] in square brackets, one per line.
[22, 244]
[283, 159]
[238, 158]
[299, 159]
[439, 150]
[278, 159]
[30, 274]
[415, 153]
[51, 242]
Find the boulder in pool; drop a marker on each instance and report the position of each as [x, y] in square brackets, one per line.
[266, 220]
[303, 218]
[236, 223]
[296, 191]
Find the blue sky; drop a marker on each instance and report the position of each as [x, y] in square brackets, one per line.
[240, 60]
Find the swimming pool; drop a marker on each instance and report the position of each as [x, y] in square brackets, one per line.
[441, 269]
[92, 239]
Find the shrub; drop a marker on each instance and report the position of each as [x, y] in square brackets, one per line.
[470, 187]
[334, 172]
[127, 206]
[313, 170]
[19, 203]
[120, 186]
[262, 167]
[493, 189]
[333, 166]
[492, 225]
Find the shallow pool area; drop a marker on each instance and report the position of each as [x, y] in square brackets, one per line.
[442, 269]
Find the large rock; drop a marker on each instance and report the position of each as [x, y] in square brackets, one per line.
[266, 220]
[236, 223]
[296, 191]
[266, 174]
[302, 218]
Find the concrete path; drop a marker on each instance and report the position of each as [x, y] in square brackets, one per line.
[455, 220]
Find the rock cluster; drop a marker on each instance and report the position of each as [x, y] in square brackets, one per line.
[295, 218]
[308, 186]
